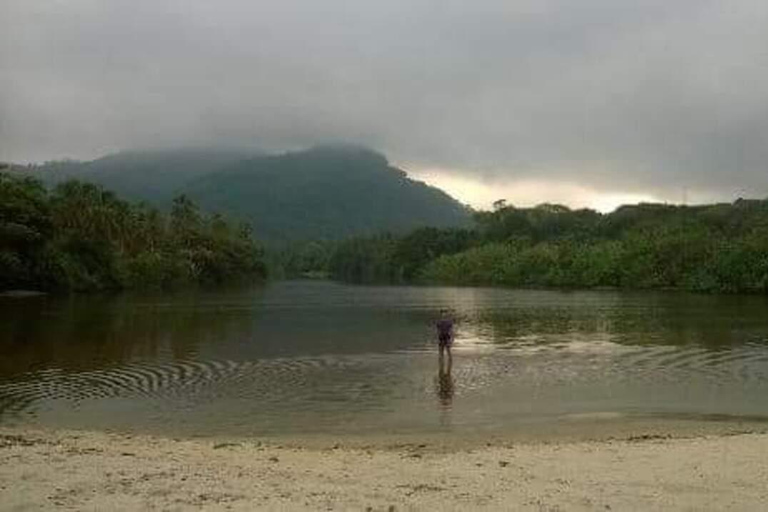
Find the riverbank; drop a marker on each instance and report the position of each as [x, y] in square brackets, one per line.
[99, 471]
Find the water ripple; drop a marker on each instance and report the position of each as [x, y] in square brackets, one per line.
[378, 380]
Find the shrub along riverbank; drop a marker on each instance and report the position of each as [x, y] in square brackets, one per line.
[710, 248]
[81, 237]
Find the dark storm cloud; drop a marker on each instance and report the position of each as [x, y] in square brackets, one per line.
[650, 96]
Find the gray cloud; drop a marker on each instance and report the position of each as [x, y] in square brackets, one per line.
[650, 96]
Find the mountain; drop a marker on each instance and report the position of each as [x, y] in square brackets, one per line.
[154, 176]
[326, 192]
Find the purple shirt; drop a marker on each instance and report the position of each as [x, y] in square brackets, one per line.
[444, 327]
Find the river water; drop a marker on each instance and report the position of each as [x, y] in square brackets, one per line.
[310, 357]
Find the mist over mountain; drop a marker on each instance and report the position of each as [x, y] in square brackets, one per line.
[326, 192]
[154, 176]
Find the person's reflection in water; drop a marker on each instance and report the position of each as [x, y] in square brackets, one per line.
[445, 387]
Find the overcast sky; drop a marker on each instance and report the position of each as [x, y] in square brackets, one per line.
[576, 101]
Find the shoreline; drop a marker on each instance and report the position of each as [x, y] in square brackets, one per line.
[68, 470]
[567, 429]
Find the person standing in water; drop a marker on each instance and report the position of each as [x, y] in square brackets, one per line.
[445, 334]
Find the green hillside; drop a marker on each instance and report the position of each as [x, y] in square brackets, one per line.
[155, 176]
[322, 193]
[328, 192]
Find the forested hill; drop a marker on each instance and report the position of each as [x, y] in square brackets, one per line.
[327, 192]
[154, 176]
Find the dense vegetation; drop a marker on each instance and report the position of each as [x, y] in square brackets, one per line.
[385, 258]
[301, 259]
[325, 193]
[711, 248]
[79, 236]
[322, 213]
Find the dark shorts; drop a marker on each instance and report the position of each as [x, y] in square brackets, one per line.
[444, 341]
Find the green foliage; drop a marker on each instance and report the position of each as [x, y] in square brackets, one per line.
[325, 193]
[82, 237]
[301, 259]
[423, 245]
[389, 259]
[544, 222]
[711, 248]
[365, 260]
[24, 225]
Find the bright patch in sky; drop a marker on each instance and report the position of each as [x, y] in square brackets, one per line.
[524, 193]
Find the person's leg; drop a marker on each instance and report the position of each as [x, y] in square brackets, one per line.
[450, 359]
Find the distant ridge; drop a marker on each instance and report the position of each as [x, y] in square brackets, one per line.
[326, 192]
[154, 176]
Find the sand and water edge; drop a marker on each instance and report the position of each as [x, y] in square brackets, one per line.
[704, 466]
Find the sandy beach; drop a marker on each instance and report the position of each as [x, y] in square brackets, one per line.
[71, 470]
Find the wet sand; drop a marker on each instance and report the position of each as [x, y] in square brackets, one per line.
[72, 470]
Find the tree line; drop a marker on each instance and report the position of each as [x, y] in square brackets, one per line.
[81, 237]
[707, 248]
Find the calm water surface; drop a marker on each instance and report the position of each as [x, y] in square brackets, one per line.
[318, 357]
